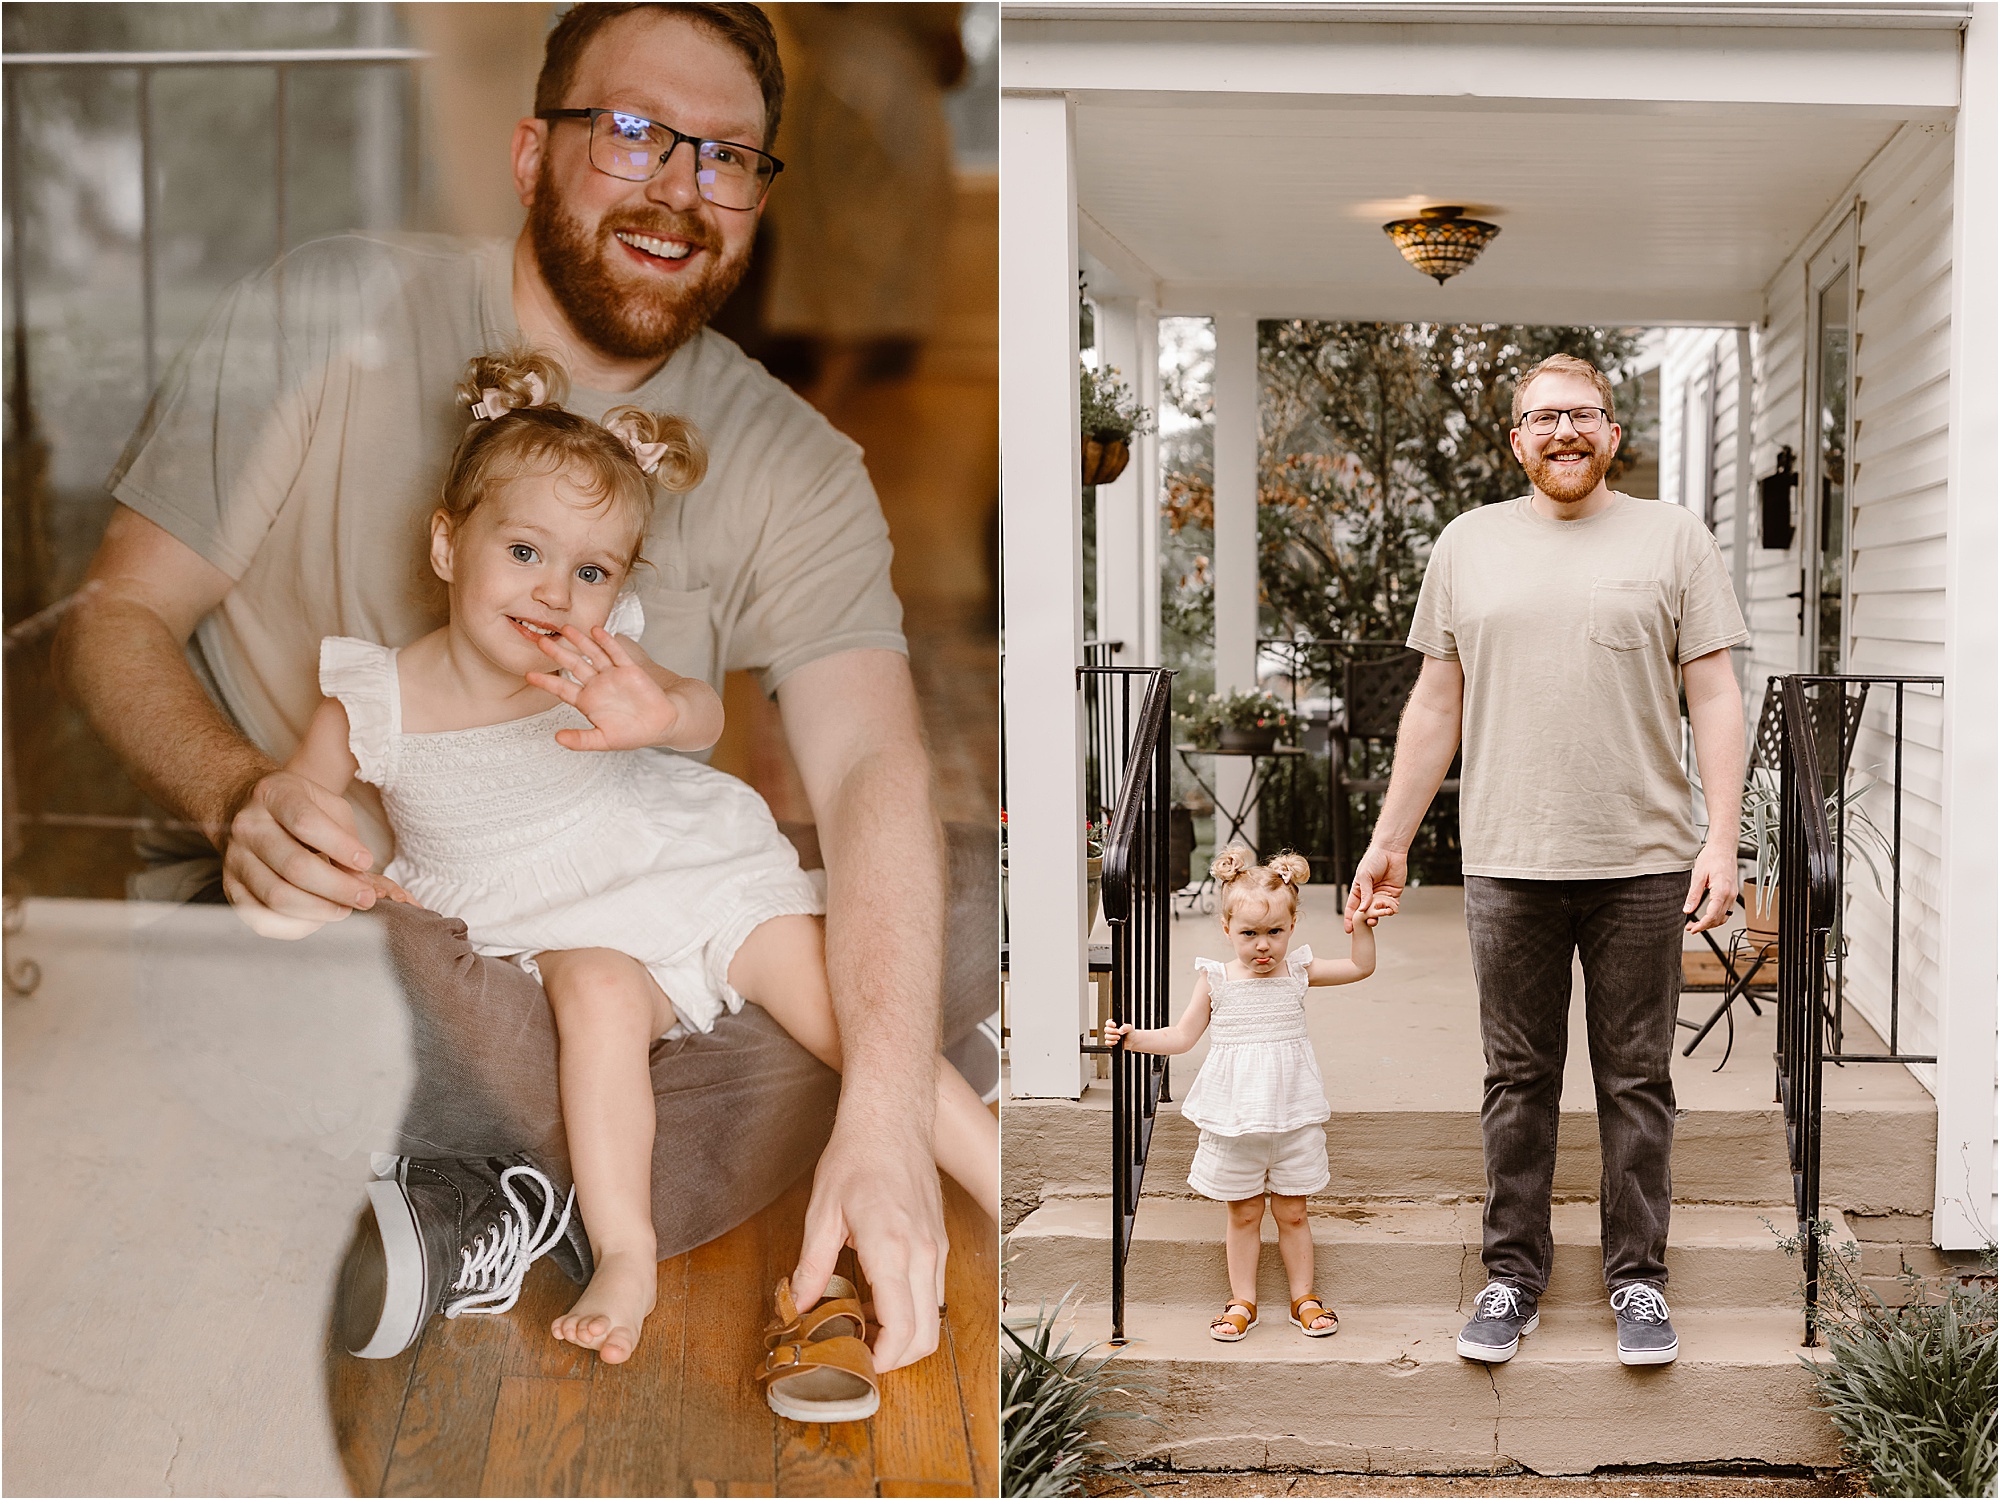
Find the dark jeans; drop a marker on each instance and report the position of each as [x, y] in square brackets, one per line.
[1524, 935]
[742, 1110]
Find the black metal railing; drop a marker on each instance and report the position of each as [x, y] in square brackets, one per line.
[1138, 898]
[1819, 724]
[1107, 729]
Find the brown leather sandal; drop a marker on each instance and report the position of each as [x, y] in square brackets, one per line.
[1232, 1325]
[830, 1380]
[840, 1312]
[1303, 1321]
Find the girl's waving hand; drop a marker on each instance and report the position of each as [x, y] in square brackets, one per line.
[631, 702]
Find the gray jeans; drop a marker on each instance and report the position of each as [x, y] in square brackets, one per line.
[742, 1110]
[1525, 934]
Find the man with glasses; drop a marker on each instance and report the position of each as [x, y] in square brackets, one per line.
[278, 492]
[1560, 630]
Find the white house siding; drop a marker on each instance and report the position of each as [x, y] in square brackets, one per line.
[1895, 615]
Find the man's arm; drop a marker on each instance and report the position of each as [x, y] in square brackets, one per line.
[851, 720]
[1715, 714]
[121, 652]
[1426, 740]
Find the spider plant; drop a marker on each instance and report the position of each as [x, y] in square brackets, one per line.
[1758, 828]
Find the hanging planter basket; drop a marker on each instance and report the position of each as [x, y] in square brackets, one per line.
[1104, 457]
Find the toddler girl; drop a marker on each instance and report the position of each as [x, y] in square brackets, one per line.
[515, 750]
[1258, 1098]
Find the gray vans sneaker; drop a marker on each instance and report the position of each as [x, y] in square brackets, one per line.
[1501, 1314]
[1645, 1336]
[451, 1236]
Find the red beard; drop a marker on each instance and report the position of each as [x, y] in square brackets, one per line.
[620, 316]
[1568, 485]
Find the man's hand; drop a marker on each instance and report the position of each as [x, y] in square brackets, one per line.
[292, 860]
[1377, 891]
[1714, 872]
[876, 1188]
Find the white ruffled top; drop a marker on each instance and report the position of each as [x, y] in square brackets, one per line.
[1260, 1074]
[537, 847]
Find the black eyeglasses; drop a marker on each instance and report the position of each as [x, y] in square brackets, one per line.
[728, 174]
[1545, 420]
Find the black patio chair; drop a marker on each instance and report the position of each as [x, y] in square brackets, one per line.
[1373, 694]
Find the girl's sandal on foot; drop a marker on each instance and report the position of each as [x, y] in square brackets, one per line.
[840, 1312]
[1303, 1320]
[1232, 1325]
[828, 1380]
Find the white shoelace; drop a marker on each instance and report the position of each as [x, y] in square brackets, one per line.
[1499, 1300]
[490, 1274]
[1637, 1300]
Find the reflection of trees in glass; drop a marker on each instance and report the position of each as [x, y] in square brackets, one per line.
[74, 176]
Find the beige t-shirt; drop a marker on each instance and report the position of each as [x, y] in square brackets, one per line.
[300, 441]
[1571, 635]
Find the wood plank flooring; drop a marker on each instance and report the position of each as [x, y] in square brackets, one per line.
[495, 1406]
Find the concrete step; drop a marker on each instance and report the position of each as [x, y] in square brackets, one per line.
[1875, 1153]
[1389, 1394]
[1383, 1254]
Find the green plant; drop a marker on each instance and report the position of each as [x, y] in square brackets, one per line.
[1910, 1389]
[1758, 827]
[1207, 715]
[1106, 408]
[1052, 1400]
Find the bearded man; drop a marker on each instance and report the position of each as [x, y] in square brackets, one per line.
[1559, 629]
[279, 492]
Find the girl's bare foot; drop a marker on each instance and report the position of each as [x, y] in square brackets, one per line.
[613, 1308]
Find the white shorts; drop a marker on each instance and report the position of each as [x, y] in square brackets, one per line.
[1290, 1163]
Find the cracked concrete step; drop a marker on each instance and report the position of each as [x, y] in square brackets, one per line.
[1732, 1155]
[1389, 1253]
[1389, 1394]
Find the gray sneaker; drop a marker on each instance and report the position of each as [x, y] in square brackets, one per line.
[1501, 1314]
[447, 1235]
[1645, 1337]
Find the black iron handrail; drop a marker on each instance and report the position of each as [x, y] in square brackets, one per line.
[1138, 897]
[1808, 888]
[1811, 897]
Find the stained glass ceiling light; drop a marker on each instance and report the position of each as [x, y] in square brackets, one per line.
[1439, 242]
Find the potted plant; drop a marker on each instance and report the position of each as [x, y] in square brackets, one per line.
[1246, 722]
[1110, 416]
[1757, 831]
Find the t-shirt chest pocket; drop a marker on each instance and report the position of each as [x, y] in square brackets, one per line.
[1624, 612]
[679, 635]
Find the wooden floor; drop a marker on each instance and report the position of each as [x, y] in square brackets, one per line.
[495, 1406]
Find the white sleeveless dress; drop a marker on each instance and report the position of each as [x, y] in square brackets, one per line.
[536, 847]
[1260, 1075]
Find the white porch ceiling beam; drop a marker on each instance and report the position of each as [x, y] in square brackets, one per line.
[1425, 302]
[1041, 462]
[1893, 70]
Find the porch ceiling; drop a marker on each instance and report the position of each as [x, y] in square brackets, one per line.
[1613, 217]
[1647, 163]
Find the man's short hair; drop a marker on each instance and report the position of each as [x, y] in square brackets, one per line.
[1566, 364]
[744, 27]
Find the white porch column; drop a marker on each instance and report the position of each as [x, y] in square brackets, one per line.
[1966, 1206]
[1235, 561]
[1127, 509]
[1146, 459]
[1041, 460]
